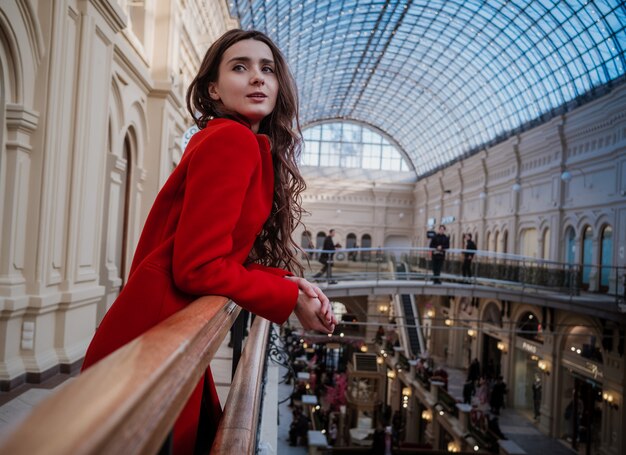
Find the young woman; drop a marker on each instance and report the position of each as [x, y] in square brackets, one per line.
[222, 223]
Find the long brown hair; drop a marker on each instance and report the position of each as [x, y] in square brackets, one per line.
[274, 245]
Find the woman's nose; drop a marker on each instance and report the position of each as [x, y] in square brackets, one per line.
[258, 78]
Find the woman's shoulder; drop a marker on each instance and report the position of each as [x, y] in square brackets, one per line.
[220, 127]
[225, 135]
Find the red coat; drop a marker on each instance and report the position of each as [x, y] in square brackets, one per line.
[195, 241]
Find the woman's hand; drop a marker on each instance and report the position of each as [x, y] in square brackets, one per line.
[313, 308]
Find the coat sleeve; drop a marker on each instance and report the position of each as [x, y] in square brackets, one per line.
[273, 270]
[217, 181]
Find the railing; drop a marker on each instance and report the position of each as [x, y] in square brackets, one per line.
[237, 432]
[488, 268]
[448, 402]
[128, 402]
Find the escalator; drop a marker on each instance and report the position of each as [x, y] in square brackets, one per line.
[413, 326]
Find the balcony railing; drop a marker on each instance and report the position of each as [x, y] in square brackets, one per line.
[128, 402]
[488, 268]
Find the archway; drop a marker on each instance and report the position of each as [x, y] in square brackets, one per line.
[491, 356]
[580, 415]
[366, 242]
[586, 260]
[606, 257]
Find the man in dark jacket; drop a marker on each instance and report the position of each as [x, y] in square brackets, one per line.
[439, 243]
[468, 255]
[326, 258]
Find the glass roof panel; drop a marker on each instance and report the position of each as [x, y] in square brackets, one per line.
[443, 78]
[350, 145]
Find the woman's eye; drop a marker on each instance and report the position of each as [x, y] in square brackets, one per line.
[239, 68]
[268, 69]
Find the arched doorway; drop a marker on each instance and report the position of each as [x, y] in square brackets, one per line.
[351, 243]
[606, 257]
[319, 242]
[580, 414]
[527, 355]
[545, 253]
[366, 242]
[491, 358]
[528, 242]
[586, 259]
[306, 242]
[115, 256]
[570, 246]
[505, 241]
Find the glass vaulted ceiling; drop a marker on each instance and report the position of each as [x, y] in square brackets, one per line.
[444, 78]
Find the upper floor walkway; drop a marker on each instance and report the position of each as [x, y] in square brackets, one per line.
[495, 276]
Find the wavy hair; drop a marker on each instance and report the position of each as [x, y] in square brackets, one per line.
[274, 246]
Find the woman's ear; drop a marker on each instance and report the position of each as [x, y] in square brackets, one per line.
[213, 92]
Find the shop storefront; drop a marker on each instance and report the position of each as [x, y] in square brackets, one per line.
[529, 364]
[491, 356]
[529, 377]
[491, 342]
[580, 416]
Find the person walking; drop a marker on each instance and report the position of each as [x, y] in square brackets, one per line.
[468, 391]
[439, 244]
[473, 373]
[222, 223]
[468, 256]
[497, 396]
[326, 258]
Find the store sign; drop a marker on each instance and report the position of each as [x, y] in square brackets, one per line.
[594, 370]
[529, 347]
[589, 369]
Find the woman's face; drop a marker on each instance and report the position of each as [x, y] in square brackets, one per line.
[246, 81]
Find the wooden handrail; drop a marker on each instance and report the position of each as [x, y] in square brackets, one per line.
[128, 402]
[238, 428]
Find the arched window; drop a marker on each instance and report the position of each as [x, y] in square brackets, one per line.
[528, 242]
[349, 145]
[570, 246]
[505, 241]
[126, 192]
[582, 341]
[586, 258]
[366, 242]
[529, 327]
[488, 241]
[606, 257]
[319, 240]
[351, 243]
[496, 237]
[492, 315]
[545, 254]
[306, 242]
[351, 240]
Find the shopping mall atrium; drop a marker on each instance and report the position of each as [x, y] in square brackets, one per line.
[494, 128]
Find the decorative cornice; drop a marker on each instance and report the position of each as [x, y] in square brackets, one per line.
[112, 14]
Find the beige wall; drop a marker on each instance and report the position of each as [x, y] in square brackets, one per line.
[91, 117]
